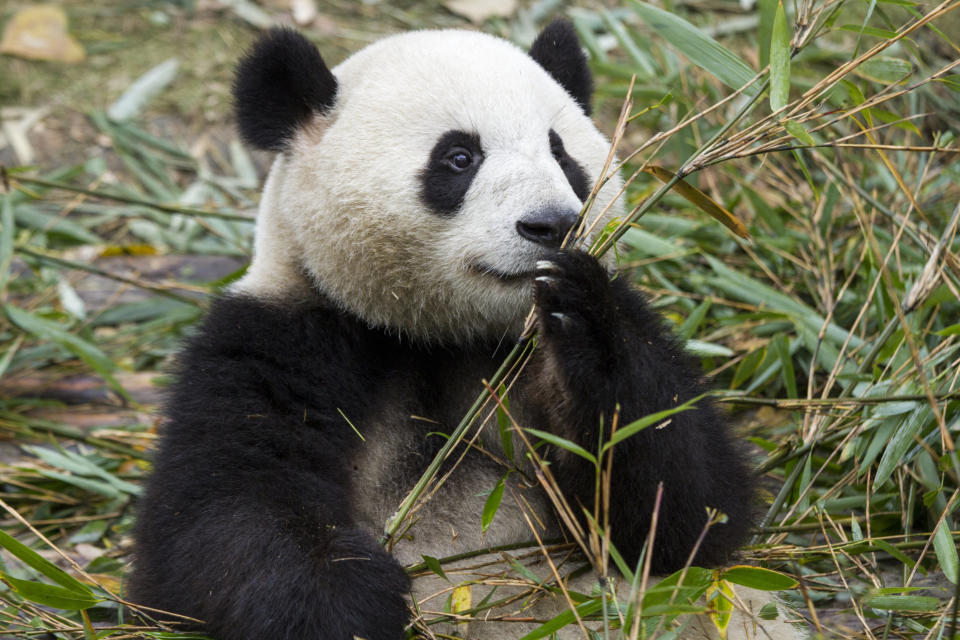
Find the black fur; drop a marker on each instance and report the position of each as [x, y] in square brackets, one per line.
[557, 49]
[603, 348]
[247, 522]
[576, 176]
[278, 85]
[443, 185]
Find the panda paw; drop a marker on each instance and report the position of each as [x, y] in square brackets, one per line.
[576, 310]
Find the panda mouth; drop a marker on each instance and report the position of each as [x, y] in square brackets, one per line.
[492, 272]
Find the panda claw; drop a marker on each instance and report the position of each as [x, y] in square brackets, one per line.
[547, 280]
[547, 265]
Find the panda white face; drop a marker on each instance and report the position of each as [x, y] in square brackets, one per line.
[420, 200]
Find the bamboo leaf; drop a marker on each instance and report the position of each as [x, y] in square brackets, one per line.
[563, 443]
[901, 603]
[462, 598]
[693, 321]
[503, 424]
[896, 449]
[701, 200]
[639, 425]
[51, 595]
[6, 239]
[50, 331]
[767, 9]
[558, 622]
[885, 70]
[40, 564]
[721, 597]
[781, 347]
[75, 463]
[758, 578]
[799, 132]
[144, 88]
[434, 565]
[779, 61]
[491, 506]
[703, 51]
[946, 550]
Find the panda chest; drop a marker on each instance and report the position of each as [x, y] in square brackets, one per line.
[447, 519]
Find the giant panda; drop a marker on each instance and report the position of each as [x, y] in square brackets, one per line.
[416, 210]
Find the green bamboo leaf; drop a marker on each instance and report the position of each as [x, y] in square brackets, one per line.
[779, 61]
[693, 321]
[751, 290]
[75, 463]
[767, 10]
[491, 506]
[886, 34]
[503, 424]
[639, 425]
[952, 330]
[946, 549]
[434, 565]
[894, 552]
[567, 617]
[885, 70]
[87, 484]
[640, 58]
[31, 217]
[704, 349]
[758, 578]
[747, 367]
[40, 564]
[896, 449]
[6, 239]
[901, 603]
[695, 582]
[51, 595]
[671, 610]
[50, 331]
[781, 347]
[799, 132]
[703, 51]
[563, 443]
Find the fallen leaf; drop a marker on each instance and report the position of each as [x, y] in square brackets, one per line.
[40, 33]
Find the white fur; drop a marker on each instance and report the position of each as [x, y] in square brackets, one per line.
[342, 210]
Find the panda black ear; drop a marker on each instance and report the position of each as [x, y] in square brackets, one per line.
[557, 49]
[278, 85]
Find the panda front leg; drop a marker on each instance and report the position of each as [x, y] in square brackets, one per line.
[602, 350]
[273, 557]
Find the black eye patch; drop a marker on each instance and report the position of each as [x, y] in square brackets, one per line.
[454, 161]
[575, 174]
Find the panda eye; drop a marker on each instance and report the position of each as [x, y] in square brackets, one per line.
[459, 159]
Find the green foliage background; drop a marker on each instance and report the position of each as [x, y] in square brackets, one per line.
[834, 333]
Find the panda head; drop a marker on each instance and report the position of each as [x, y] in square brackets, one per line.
[419, 182]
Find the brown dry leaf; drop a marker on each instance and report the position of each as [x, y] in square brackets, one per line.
[40, 33]
[701, 200]
[477, 11]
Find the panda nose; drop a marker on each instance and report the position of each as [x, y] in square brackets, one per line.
[547, 227]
